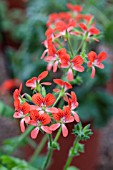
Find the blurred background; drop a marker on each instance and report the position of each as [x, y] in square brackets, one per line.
[22, 29]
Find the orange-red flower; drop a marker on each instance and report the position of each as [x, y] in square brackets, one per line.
[95, 60]
[74, 64]
[63, 84]
[73, 104]
[39, 120]
[33, 82]
[62, 117]
[75, 8]
[43, 103]
[21, 112]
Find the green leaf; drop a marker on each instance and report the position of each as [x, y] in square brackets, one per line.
[12, 163]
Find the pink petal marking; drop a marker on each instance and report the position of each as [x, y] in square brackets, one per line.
[46, 129]
[34, 133]
[64, 130]
[54, 126]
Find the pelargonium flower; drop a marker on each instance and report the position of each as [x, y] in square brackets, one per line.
[21, 111]
[17, 92]
[64, 86]
[74, 64]
[73, 104]
[40, 121]
[62, 117]
[33, 82]
[95, 60]
[74, 8]
[62, 27]
[50, 48]
[54, 61]
[91, 31]
[43, 103]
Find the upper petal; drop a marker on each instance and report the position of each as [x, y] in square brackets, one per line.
[49, 99]
[37, 99]
[42, 75]
[92, 56]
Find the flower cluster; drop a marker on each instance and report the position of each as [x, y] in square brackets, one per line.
[40, 111]
[60, 28]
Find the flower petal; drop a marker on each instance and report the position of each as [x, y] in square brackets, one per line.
[46, 129]
[54, 126]
[70, 75]
[34, 133]
[52, 110]
[64, 130]
[49, 99]
[70, 119]
[42, 75]
[93, 72]
[17, 115]
[22, 125]
[76, 117]
[92, 56]
[37, 99]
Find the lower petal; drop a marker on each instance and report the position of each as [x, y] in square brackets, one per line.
[70, 75]
[76, 117]
[52, 110]
[54, 126]
[34, 133]
[64, 130]
[22, 125]
[46, 129]
[93, 72]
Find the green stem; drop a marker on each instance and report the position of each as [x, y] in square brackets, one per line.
[39, 148]
[57, 99]
[51, 149]
[58, 135]
[69, 44]
[71, 155]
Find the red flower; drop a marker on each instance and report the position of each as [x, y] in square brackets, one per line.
[62, 27]
[53, 61]
[43, 103]
[39, 120]
[36, 80]
[50, 48]
[17, 92]
[62, 117]
[21, 112]
[91, 31]
[74, 64]
[73, 104]
[63, 84]
[95, 60]
[75, 8]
